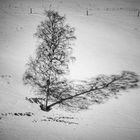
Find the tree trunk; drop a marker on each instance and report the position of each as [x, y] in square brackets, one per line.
[47, 95]
[46, 107]
[87, 12]
[138, 13]
[31, 11]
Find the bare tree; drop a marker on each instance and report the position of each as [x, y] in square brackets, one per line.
[52, 55]
[46, 70]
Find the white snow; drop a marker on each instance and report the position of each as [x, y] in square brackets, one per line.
[107, 42]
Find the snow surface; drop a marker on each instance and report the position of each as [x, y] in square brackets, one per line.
[107, 42]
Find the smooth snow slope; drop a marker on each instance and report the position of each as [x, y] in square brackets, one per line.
[107, 42]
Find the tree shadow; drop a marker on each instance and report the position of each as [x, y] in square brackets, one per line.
[81, 94]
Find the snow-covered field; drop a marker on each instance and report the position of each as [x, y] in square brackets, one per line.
[108, 41]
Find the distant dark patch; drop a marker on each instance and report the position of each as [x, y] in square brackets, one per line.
[18, 114]
[65, 120]
[6, 78]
